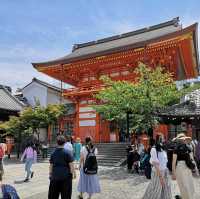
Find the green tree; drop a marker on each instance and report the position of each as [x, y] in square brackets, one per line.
[11, 127]
[15, 128]
[41, 117]
[31, 120]
[153, 89]
[54, 112]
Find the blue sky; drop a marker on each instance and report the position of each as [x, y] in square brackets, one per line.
[39, 30]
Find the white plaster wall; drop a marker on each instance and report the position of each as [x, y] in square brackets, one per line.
[53, 97]
[42, 135]
[86, 109]
[35, 91]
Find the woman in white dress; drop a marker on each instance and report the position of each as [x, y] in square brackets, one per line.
[159, 187]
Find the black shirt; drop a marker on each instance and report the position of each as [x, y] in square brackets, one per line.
[182, 151]
[60, 160]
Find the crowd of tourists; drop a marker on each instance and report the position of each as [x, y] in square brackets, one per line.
[161, 162]
[178, 159]
[62, 168]
[67, 157]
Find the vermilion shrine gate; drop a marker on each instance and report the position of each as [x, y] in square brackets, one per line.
[166, 44]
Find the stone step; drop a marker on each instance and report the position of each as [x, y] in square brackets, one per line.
[107, 161]
[106, 156]
[109, 154]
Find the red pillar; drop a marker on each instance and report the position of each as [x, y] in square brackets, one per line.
[97, 129]
[76, 129]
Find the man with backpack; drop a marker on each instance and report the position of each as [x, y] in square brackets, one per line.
[89, 181]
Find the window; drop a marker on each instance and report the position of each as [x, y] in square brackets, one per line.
[85, 79]
[125, 72]
[114, 74]
[68, 128]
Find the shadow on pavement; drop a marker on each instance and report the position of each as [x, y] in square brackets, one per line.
[19, 182]
[120, 173]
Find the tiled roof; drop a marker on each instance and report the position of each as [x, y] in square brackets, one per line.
[8, 101]
[187, 108]
[118, 42]
[44, 84]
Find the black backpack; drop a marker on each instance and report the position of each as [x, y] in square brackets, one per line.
[90, 166]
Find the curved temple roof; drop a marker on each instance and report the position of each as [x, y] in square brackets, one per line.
[134, 39]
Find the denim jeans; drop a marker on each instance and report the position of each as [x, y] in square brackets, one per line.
[28, 165]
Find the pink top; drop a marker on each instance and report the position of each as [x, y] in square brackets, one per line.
[29, 153]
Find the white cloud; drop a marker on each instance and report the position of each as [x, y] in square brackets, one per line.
[15, 59]
[189, 20]
[18, 75]
[28, 54]
[121, 27]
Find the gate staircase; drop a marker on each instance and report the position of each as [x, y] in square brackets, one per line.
[109, 154]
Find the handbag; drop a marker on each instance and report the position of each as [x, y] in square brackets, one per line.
[189, 162]
[195, 174]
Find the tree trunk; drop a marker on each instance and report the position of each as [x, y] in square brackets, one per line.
[127, 124]
[38, 134]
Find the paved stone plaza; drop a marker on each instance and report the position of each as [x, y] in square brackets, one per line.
[115, 183]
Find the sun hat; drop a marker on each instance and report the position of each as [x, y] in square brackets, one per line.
[181, 136]
[188, 138]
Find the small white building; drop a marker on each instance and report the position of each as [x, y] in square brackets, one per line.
[44, 93]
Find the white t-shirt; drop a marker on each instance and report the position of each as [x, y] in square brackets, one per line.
[84, 152]
[159, 157]
[68, 146]
[140, 148]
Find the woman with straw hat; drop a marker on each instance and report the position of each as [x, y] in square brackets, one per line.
[182, 166]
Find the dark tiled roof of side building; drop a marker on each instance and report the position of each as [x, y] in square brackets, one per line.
[134, 39]
[8, 101]
[187, 108]
[44, 84]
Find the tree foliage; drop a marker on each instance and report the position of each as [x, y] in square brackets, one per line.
[152, 90]
[32, 119]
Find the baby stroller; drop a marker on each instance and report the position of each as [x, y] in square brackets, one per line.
[129, 151]
[133, 159]
[136, 162]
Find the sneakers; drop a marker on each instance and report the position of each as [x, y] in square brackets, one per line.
[26, 180]
[32, 174]
[80, 197]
